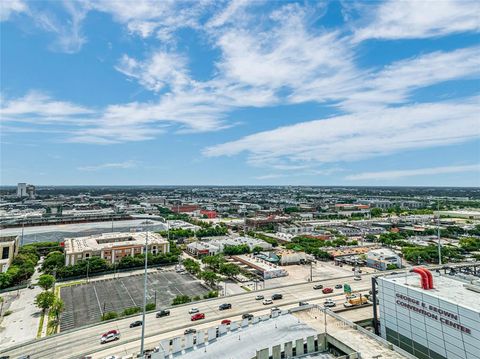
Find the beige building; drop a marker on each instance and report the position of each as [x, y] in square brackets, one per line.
[8, 250]
[113, 246]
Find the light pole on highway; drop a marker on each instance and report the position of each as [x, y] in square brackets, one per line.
[144, 294]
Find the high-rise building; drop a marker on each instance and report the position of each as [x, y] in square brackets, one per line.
[25, 190]
[22, 190]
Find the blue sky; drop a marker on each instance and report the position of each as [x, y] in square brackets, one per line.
[240, 92]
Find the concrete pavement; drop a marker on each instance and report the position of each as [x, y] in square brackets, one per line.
[74, 344]
[22, 324]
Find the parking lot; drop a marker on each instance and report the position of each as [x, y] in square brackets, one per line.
[85, 303]
[320, 271]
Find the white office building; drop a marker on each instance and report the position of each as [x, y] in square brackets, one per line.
[438, 323]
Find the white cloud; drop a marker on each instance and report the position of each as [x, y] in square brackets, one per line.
[421, 19]
[162, 69]
[229, 13]
[9, 7]
[38, 107]
[358, 90]
[109, 166]
[283, 56]
[69, 37]
[431, 171]
[360, 135]
[149, 17]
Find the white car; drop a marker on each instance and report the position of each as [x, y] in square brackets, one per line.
[259, 297]
[357, 278]
[109, 338]
[267, 301]
[193, 310]
[329, 303]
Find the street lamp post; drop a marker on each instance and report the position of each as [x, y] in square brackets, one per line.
[88, 263]
[144, 294]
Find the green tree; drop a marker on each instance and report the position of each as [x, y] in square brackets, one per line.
[209, 277]
[470, 244]
[53, 261]
[235, 250]
[192, 266]
[213, 262]
[257, 249]
[229, 269]
[57, 308]
[44, 300]
[376, 212]
[46, 281]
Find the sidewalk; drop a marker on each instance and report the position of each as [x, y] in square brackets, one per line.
[22, 324]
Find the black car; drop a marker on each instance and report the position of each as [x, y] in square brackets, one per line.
[189, 331]
[277, 296]
[338, 286]
[247, 316]
[136, 323]
[225, 306]
[163, 313]
[318, 286]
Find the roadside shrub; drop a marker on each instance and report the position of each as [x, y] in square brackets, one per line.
[130, 311]
[7, 313]
[181, 299]
[197, 297]
[150, 306]
[211, 294]
[109, 315]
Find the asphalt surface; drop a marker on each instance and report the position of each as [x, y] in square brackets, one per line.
[86, 341]
[114, 295]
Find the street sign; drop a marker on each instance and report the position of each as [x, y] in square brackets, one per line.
[347, 289]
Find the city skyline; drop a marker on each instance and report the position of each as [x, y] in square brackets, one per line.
[240, 93]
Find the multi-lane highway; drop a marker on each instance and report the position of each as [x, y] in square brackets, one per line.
[86, 341]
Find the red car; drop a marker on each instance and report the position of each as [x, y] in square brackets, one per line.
[327, 290]
[198, 316]
[226, 322]
[113, 331]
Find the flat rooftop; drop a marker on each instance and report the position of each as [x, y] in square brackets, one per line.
[446, 288]
[111, 240]
[245, 342]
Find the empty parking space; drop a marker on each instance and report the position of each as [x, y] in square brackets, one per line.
[85, 303]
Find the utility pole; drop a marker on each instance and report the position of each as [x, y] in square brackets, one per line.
[23, 228]
[438, 234]
[144, 294]
[311, 271]
[88, 264]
